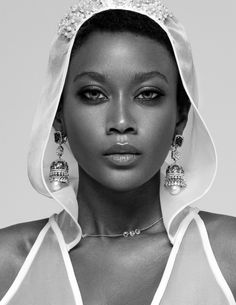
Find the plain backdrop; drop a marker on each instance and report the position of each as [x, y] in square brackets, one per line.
[27, 28]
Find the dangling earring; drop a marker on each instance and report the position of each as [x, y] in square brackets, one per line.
[174, 179]
[59, 170]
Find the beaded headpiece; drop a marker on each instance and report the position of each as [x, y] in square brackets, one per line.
[69, 24]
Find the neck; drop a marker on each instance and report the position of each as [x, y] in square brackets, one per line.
[107, 211]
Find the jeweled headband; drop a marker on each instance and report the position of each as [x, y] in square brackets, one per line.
[69, 24]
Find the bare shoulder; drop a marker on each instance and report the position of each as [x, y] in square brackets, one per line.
[221, 230]
[15, 244]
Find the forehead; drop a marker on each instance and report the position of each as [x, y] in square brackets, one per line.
[122, 53]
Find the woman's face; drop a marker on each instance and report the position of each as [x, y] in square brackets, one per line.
[120, 88]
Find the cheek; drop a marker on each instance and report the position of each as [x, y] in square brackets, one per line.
[84, 132]
[159, 133]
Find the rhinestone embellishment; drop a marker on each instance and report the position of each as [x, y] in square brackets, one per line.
[69, 24]
[78, 13]
[132, 233]
[154, 8]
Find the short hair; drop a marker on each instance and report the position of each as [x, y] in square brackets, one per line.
[118, 20]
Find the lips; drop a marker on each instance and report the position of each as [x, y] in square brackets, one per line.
[122, 149]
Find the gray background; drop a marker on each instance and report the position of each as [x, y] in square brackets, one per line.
[27, 28]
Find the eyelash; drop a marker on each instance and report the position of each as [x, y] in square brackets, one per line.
[82, 95]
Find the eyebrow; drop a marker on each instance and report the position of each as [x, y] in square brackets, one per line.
[138, 76]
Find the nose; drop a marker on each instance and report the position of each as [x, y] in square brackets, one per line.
[120, 119]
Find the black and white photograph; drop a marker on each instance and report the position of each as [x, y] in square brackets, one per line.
[118, 152]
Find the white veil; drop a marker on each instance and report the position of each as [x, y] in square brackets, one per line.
[198, 158]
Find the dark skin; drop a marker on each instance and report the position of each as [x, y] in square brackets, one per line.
[122, 108]
[113, 199]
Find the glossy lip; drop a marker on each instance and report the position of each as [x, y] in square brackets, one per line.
[122, 159]
[122, 149]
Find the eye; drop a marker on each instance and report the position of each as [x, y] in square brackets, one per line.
[92, 96]
[150, 95]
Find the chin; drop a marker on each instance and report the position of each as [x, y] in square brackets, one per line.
[123, 187]
[121, 182]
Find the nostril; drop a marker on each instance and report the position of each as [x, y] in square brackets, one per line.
[129, 130]
[120, 121]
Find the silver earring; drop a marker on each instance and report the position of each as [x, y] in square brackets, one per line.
[174, 180]
[59, 170]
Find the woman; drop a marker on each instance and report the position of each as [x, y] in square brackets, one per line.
[121, 88]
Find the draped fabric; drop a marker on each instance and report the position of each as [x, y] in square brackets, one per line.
[191, 276]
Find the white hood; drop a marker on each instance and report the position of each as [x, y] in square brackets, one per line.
[198, 152]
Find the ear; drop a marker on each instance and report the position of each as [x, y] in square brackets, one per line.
[58, 122]
[183, 106]
[182, 119]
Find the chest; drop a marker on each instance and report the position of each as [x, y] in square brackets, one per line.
[117, 275]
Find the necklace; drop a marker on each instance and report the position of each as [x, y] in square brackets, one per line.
[124, 234]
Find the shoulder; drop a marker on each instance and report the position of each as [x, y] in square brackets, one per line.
[15, 243]
[221, 230]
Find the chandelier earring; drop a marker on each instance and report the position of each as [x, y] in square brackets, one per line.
[174, 180]
[59, 169]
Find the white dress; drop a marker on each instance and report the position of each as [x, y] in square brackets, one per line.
[191, 276]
